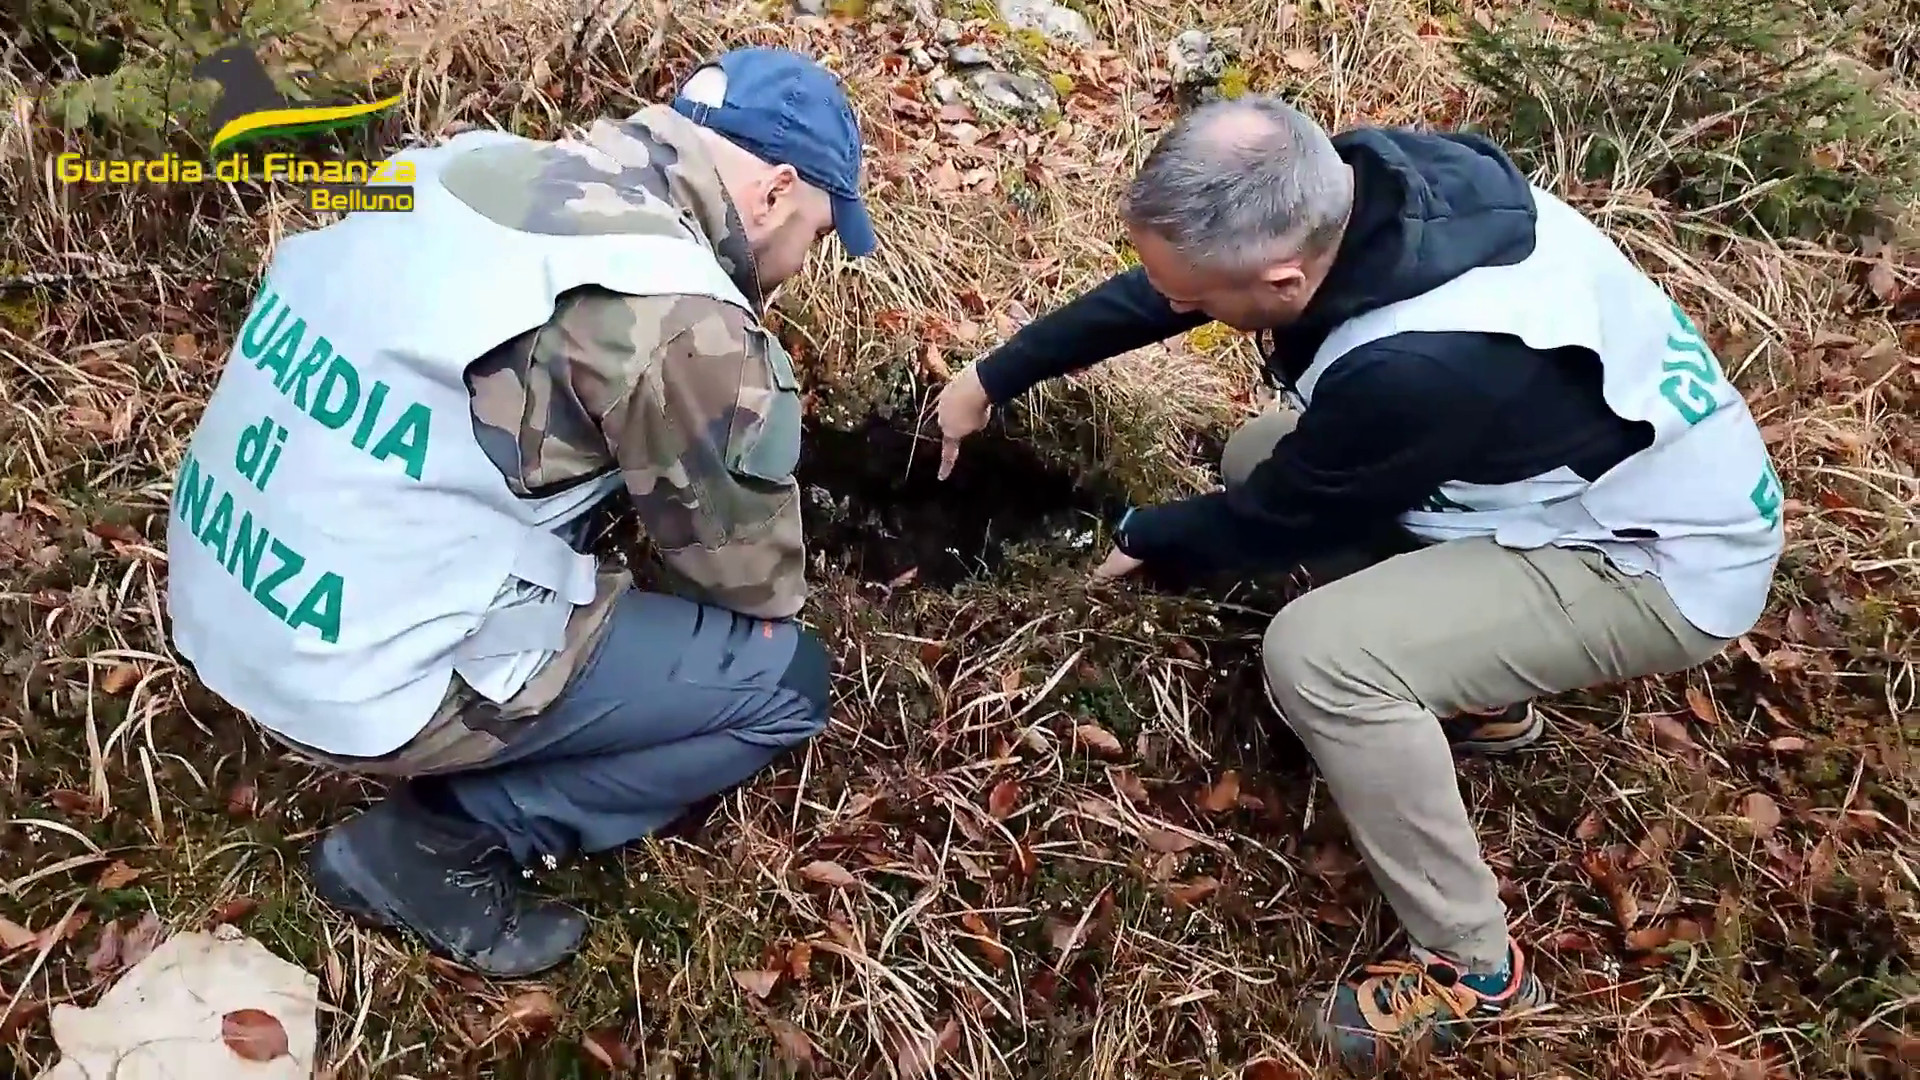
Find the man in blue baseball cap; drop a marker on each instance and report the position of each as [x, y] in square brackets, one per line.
[792, 114]
[553, 325]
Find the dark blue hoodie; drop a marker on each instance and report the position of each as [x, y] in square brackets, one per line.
[1393, 419]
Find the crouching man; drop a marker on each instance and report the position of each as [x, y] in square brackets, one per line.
[1523, 451]
[378, 531]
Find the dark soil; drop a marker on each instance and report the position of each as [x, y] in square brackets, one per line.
[876, 507]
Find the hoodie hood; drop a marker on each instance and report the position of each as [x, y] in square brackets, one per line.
[1428, 207]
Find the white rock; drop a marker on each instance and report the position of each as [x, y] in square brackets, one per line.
[1062, 24]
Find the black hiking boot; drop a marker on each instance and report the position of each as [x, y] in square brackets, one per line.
[450, 881]
[1499, 732]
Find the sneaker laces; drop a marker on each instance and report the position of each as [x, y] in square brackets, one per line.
[1395, 993]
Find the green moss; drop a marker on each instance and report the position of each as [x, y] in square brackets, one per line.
[851, 9]
[1062, 83]
[1234, 82]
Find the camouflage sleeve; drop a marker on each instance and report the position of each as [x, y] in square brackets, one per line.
[707, 438]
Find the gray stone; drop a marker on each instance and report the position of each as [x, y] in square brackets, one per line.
[946, 32]
[967, 56]
[948, 91]
[1062, 24]
[810, 7]
[1020, 95]
[1198, 58]
[920, 59]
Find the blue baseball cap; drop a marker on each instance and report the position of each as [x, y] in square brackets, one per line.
[784, 108]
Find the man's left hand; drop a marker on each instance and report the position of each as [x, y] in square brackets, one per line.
[1118, 565]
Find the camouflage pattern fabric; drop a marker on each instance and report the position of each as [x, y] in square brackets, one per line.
[688, 397]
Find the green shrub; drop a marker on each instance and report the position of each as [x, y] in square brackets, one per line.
[120, 69]
[1747, 111]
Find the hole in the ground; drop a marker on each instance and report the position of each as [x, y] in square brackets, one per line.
[876, 507]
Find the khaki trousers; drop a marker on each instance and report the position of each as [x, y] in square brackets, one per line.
[1362, 668]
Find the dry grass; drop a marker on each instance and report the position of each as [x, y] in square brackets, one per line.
[1719, 869]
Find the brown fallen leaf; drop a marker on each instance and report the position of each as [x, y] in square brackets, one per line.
[1194, 891]
[988, 942]
[1762, 813]
[1671, 734]
[1881, 279]
[1099, 739]
[1702, 706]
[1301, 59]
[944, 178]
[1129, 785]
[800, 962]
[823, 872]
[1022, 860]
[794, 1045]
[1269, 1069]
[606, 1046]
[1335, 915]
[119, 678]
[1064, 935]
[253, 1035]
[118, 876]
[1649, 938]
[1573, 942]
[235, 910]
[14, 936]
[758, 983]
[72, 924]
[1003, 798]
[243, 799]
[1222, 796]
[77, 803]
[534, 1010]
[1167, 842]
[105, 957]
[1787, 744]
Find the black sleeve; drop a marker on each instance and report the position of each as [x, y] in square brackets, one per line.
[1387, 427]
[1120, 315]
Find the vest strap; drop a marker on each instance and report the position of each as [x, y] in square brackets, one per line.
[549, 562]
[540, 626]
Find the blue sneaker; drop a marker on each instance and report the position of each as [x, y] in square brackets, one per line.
[1405, 1008]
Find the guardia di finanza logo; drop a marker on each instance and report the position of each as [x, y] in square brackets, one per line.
[250, 108]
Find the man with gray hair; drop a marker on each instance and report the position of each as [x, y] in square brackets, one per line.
[1547, 480]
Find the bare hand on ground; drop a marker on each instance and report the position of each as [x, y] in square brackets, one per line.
[1117, 565]
[961, 409]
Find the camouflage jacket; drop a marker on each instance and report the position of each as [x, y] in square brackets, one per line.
[689, 398]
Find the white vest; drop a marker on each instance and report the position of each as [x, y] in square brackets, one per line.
[339, 544]
[1699, 508]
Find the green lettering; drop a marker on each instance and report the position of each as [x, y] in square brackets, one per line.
[1700, 366]
[214, 536]
[291, 563]
[1767, 495]
[341, 375]
[279, 358]
[407, 439]
[320, 608]
[256, 334]
[364, 429]
[316, 359]
[191, 492]
[243, 559]
[1691, 400]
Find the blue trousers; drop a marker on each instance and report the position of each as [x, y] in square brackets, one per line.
[681, 701]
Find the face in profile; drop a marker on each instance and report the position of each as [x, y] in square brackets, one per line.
[1269, 296]
[784, 218]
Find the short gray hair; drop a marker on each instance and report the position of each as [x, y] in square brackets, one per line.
[1235, 183]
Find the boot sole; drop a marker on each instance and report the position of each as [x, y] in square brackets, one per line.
[344, 882]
